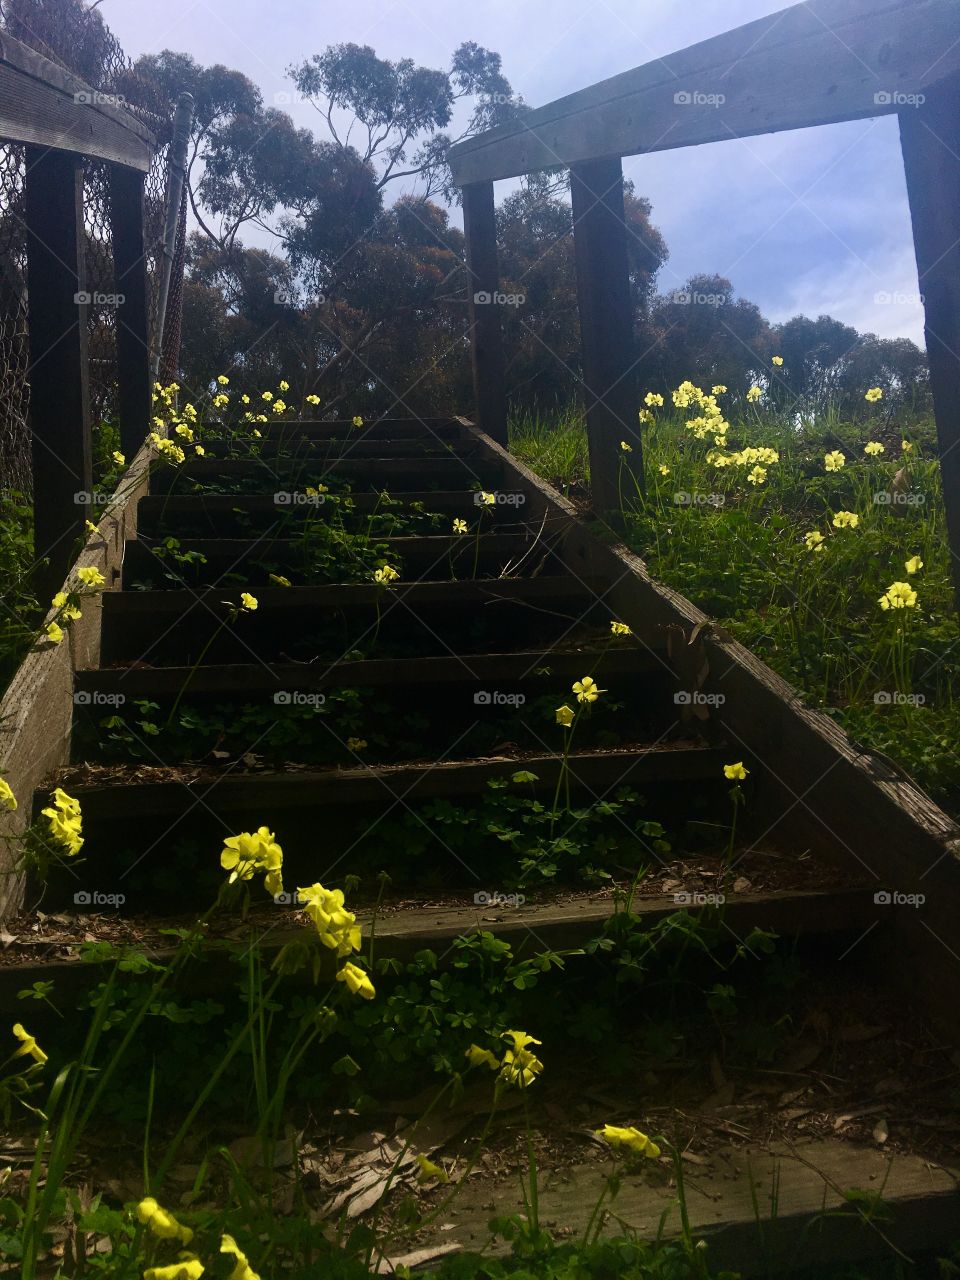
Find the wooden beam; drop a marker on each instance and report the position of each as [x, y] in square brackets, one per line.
[606, 333]
[930, 136]
[483, 289]
[133, 325]
[42, 104]
[59, 372]
[819, 62]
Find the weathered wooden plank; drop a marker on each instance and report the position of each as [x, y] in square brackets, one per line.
[425, 429]
[453, 502]
[59, 372]
[819, 62]
[44, 105]
[930, 137]
[388, 473]
[133, 329]
[483, 291]
[606, 334]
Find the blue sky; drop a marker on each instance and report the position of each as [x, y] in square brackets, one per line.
[812, 221]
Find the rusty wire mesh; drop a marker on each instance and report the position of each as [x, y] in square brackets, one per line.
[77, 38]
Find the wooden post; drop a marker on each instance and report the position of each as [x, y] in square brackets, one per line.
[59, 391]
[483, 286]
[133, 335]
[930, 137]
[606, 332]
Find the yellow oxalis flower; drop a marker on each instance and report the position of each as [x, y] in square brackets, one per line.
[586, 689]
[54, 632]
[336, 927]
[478, 1057]
[814, 540]
[735, 772]
[188, 1268]
[185, 432]
[65, 822]
[754, 394]
[913, 565]
[386, 575]
[221, 401]
[899, 595]
[59, 600]
[428, 1170]
[71, 613]
[253, 851]
[248, 602]
[846, 520]
[778, 361]
[646, 417]
[280, 580]
[90, 576]
[906, 446]
[487, 499]
[8, 800]
[834, 461]
[313, 400]
[244, 399]
[279, 406]
[520, 1066]
[357, 981]
[664, 469]
[620, 629]
[459, 526]
[29, 1047]
[267, 395]
[283, 385]
[223, 380]
[626, 448]
[118, 457]
[653, 398]
[873, 449]
[242, 1270]
[357, 744]
[565, 716]
[874, 394]
[358, 421]
[757, 475]
[630, 1140]
[161, 1223]
[718, 390]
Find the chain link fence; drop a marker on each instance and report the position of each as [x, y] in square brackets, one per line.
[77, 38]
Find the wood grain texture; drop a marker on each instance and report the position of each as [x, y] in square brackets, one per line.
[483, 288]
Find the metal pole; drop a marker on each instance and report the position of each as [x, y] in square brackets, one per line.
[175, 180]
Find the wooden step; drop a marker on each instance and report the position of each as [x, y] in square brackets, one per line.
[362, 473]
[295, 448]
[424, 429]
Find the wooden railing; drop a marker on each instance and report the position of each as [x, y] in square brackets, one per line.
[817, 63]
[61, 121]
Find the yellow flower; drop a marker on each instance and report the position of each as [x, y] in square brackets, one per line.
[834, 461]
[313, 400]
[565, 716]
[90, 526]
[630, 1140]
[358, 421]
[280, 580]
[357, 744]
[430, 1171]
[188, 1268]
[336, 927]
[244, 399]
[8, 800]
[267, 395]
[754, 394]
[242, 1270]
[223, 380]
[914, 564]
[664, 469]
[873, 449]
[906, 446]
[91, 576]
[487, 499]
[65, 822]
[59, 600]
[899, 595]
[718, 390]
[735, 772]
[646, 417]
[29, 1048]
[874, 394]
[283, 386]
[184, 432]
[357, 981]
[459, 526]
[778, 361]
[814, 540]
[757, 475]
[219, 402]
[620, 629]
[161, 1223]
[54, 633]
[626, 448]
[586, 689]
[71, 613]
[386, 575]
[279, 406]
[520, 1066]
[248, 602]
[118, 458]
[478, 1057]
[200, 451]
[846, 520]
[253, 851]
[653, 398]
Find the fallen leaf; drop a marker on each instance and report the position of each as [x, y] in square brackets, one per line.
[880, 1131]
